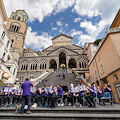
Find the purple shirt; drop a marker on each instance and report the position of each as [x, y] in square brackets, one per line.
[26, 88]
[10, 94]
[4, 88]
[81, 93]
[106, 90]
[52, 93]
[60, 91]
[92, 93]
[98, 93]
[43, 93]
[71, 94]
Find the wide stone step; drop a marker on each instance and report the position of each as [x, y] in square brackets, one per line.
[68, 110]
[59, 116]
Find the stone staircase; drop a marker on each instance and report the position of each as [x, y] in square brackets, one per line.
[64, 113]
[70, 77]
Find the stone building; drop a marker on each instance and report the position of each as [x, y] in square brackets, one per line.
[8, 67]
[17, 28]
[62, 53]
[104, 66]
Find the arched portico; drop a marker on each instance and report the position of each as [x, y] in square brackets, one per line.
[53, 64]
[62, 59]
[72, 63]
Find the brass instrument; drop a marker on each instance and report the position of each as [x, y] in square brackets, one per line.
[87, 93]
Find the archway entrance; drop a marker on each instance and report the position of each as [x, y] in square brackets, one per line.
[62, 60]
[72, 63]
[53, 64]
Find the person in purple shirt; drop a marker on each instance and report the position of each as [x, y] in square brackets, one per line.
[99, 94]
[42, 94]
[50, 94]
[8, 95]
[59, 90]
[107, 88]
[26, 95]
[90, 98]
[70, 97]
[80, 100]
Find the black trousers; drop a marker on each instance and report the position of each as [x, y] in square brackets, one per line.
[7, 98]
[99, 97]
[90, 100]
[38, 97]
[70, 99]
[25, 99]
[53, 100]
[16, 99]
[49, 99]
[80, 100]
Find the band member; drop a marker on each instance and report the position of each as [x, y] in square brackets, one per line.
[8, 94]
[59, 90]
[89, 96]
[70, 97]
[50, 93]
[107, 88]
[33, 91]
[80, 100]
[17, 96]
[42, 94]
[99, 93]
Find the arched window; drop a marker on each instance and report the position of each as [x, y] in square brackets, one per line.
[36, 67]
[31, 67]
[45, 65]
[40, 66]
[22, 67]
[15, 27]
[85, 65]
[80, 65]
[19, 18]
[26, 67]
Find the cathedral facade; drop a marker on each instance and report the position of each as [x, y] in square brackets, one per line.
[62, 53]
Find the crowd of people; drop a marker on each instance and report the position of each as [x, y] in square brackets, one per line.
[28, 94]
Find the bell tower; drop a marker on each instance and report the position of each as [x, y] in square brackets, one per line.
[17, 28]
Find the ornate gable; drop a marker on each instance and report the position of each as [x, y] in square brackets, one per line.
[60, 49]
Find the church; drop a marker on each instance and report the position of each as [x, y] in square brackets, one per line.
[62, 53]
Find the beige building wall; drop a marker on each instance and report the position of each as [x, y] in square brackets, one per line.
[62, 41]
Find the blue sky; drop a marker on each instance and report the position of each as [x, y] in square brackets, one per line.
[85, 20]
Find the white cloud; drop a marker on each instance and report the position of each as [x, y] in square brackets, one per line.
[92, 8]
[59, 23]
[63, 5]
[74, 32]
[77, 19]
[66, 25]
[54, 28]
[36, 41]
[91, 30]
[38, 9]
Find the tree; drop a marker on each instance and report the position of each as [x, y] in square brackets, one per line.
[96, 42]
